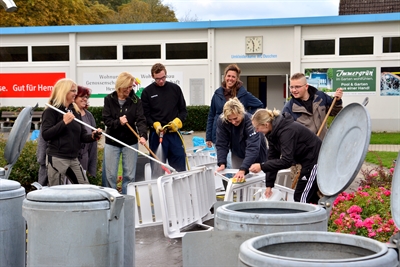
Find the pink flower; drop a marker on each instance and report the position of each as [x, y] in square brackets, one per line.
[391, 170]
[359, 223]
[354, 209]
[371, 234]
[338, 222]
[368, 223]
[387, 193]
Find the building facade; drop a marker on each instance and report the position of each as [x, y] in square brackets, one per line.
[360, 53]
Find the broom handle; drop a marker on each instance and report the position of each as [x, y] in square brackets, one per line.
[326, 116]
[114, 139]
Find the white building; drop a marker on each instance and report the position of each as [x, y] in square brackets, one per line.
[360, 53]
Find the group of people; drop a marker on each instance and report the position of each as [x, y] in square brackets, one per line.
[291, 135]
[247, 136]
[67, 152]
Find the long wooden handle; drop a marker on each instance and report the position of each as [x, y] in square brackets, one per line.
[148, 148]
[326, 117]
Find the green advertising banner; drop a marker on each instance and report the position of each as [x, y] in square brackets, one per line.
[355, 80]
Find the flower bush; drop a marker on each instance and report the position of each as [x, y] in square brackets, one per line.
[366, 212]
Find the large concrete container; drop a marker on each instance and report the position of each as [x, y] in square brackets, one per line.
[75, 225]
[12, 224]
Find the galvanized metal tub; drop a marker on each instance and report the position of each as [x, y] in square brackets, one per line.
[74, 225]
[308, 249]
[12, 224]
[270, 217]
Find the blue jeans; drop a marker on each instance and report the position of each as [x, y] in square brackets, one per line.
[111, 161]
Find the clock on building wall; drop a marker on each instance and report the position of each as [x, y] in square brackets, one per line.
[254, 44]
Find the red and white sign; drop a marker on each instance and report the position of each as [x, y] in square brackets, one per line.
[28, 84]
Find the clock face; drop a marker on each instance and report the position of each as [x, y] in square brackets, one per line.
[254, 45]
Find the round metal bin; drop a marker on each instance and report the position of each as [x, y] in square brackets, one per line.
[74, 225]
[270, 217]
[307, 249]
[12, 224]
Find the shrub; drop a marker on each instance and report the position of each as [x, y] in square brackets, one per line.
[25, 170]
[196, 118]
[366, 212]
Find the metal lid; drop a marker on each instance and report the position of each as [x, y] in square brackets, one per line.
[18, 135]
[7, 185]
[343, 149]
[395, 196]
[10, 189]
[70, 193]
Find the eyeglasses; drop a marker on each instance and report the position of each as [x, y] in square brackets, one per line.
[297, 87]
[160, 79]
[73, 91]
[84, 97]
[128, 88]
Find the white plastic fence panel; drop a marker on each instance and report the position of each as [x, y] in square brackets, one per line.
[284, 178]
[186, 199]
[148, 207]
[241, 192]
[288, 193]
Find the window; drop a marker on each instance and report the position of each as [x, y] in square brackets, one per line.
[186, 51]
[50, 53]
[391, 44]
[98, 52]
[319, 47]
[141, 51]
[14, 54]
[356, 46]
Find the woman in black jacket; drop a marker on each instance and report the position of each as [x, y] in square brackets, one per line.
[236, 133]
[64, 135]
[121, 107]
[289, 143]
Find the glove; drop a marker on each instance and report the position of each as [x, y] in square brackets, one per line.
[175, 125]
[157, 127]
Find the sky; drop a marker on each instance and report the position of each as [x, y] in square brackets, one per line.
[205, 10]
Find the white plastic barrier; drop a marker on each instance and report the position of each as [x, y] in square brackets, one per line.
[247, 191]
[148, 208]
[186, 199]
[284, 178]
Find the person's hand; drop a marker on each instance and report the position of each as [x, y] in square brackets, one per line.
[175, 125]
[256, 167]
[268, 192]
[123, 120]
[220, 168]
[339, 93]
[96, 135]
[68, 117]
[239, 176]
[142, 140]
[209, 143]
[157, 127]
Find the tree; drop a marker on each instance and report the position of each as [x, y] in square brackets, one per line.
[55, 12]
[160, 12]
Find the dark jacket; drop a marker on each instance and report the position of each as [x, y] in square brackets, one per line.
[249, 101]
[63, 140]
[320, 106]
[242, 140]
[289, 143]
[132, 109]
[163, 104]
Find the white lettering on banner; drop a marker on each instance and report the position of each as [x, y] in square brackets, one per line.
[3, 89]
[19, 88]
[42, 87]
[104, 83]
[340, 73]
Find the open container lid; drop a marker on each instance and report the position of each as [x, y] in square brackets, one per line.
[18, 136]
[343, 149]
[395, 196]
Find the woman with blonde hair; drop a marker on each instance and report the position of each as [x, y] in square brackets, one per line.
[289, 143]
[236, 133]
[122, 107]
[64, 135]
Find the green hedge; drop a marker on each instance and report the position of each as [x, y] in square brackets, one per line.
[25, 170]
[196, 119]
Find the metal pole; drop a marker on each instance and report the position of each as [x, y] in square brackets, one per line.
[116, 140]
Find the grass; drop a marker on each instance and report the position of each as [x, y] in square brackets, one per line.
[385, 138]
[376, 157]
